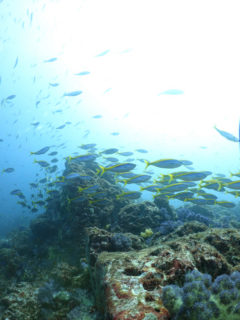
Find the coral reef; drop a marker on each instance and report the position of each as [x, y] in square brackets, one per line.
[201, 299]
[104, 258]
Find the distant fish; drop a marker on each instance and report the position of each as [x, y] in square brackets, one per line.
[1, 140]
[33, 185]
[16, 63]
[15, 192]
[115, 133]
[11, 97]
[61, 127]
[233, 185]
[83, 73]
[54, 160]
[35, 124]
[87, 146]
[129, 195]
[55, 84]
[141, 150]
[103, 53]
[228, 135]
[84, 157]
[109, 151]
[126, 153]
[50, 60]
[41, 151]
[97, 116]
[53, 153]
[8, 170]
[120, 167]
[165, 163]
[72, 93]
[52, 169]
[112, 159]
[42, 163]
[225, 204]
[171, 92]
[136, 179]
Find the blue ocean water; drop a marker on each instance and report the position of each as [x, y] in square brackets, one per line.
[75, 73]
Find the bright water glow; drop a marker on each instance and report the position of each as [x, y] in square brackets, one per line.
[151, 47]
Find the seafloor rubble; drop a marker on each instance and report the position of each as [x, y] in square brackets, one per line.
[110, 261]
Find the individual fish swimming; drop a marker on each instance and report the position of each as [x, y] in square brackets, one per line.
[120, 167]
[83, 73]
[111, 159]
[233, 185]
[41, 151]
[167, 163]
[103, 53]
[89, 189]
[142, 150]
[8, 170]
[50, 60]
[43, 164]
[61, 127]
[136, 179]
[83, 157]
[53, 153]
[88, 146]
[126, 153]
[179, 186]
[228, 135]
[225, 204]
[109, 151]
[190, 176]
[16, 63]
[11, 97]
[97, 116]
[72, 93]
[200, 201]
[129, 195]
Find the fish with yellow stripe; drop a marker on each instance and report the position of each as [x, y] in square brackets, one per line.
[167, 163]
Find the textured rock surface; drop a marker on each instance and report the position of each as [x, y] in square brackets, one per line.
[128, 285]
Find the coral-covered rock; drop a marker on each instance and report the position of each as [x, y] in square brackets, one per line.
[136, 218]
[100, 240]
[128, 285]
[21, 303]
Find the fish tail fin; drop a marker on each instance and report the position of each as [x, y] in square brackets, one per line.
[171, 177]
[220, 185]
[103, 170]
[118, 196]
[80, 189]
[125, 182]
[147, 164]
[32, 153]
[141, 188]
